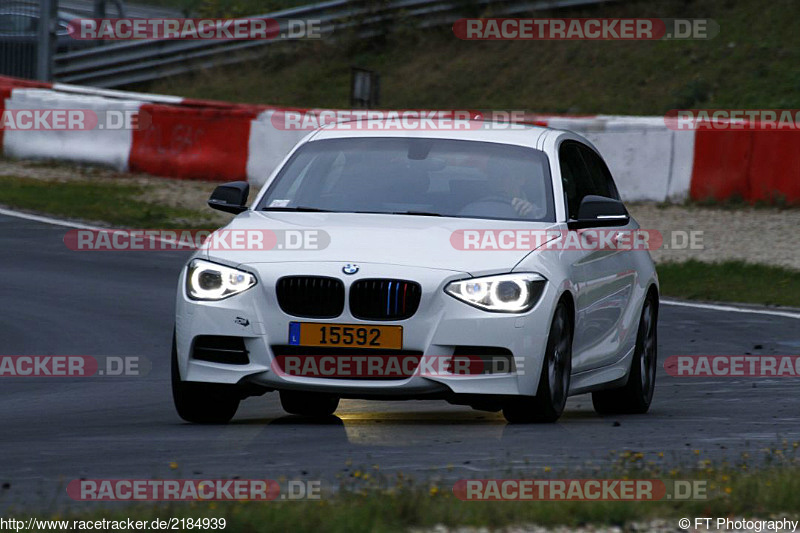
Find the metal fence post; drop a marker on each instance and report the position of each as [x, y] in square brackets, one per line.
[46, 45]
[365, 88]
[100, 8]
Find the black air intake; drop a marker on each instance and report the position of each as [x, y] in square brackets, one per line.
[219, 349]
[473, 360]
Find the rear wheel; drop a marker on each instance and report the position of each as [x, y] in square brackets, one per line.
[636, 395]
[551, 396]
[202, 403]
[311, 404]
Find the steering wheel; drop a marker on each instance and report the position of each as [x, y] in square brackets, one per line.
[492, 205]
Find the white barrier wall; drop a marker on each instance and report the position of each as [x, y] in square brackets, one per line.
[109, 146]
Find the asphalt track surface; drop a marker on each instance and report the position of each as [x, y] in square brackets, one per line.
[59, 302]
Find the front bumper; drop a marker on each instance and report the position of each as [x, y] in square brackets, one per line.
[440, 324]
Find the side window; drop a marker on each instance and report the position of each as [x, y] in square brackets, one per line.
[602, 182]
[574, 176]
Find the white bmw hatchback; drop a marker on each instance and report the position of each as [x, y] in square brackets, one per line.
[485, 267]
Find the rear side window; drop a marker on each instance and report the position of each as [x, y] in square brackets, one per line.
[599, 173]
[572, 174]
[583, 173]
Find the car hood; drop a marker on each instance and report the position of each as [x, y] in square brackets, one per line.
[404, 240]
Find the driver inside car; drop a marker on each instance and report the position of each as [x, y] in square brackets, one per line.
[512, 187]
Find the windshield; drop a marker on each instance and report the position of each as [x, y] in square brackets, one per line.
[426, 177]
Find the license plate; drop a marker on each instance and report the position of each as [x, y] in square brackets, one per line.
[346, 335]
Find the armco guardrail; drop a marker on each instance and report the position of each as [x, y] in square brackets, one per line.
[125, 63]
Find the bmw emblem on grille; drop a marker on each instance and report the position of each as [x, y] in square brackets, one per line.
[350, 269]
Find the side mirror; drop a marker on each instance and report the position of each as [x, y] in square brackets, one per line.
[599, 211]
[230, 197]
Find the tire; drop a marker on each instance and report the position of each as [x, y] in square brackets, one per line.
[637, 394]
[202, 403]
[551, 395]
[311, 404]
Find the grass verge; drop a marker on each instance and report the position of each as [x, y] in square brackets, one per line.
[730, 281]
[750, 64]
[406, 505]
[114, 203]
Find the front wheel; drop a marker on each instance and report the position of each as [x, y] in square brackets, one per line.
[551, 396]
[202, 403]
[636, 395]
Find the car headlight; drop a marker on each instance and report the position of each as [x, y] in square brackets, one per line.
[210, 281]
[508, 293]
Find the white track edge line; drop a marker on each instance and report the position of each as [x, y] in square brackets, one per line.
[48, 220]
[76, 225]
[732, 309]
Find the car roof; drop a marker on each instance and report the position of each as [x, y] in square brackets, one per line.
[471, 130]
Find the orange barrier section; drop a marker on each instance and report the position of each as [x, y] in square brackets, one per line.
[774, 167]
[751, 165]
[720, 164]
[193, 143]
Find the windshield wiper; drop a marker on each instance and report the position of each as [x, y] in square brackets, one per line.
[300, 208]
[417, 213]
[410, 213]
[305, 209]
